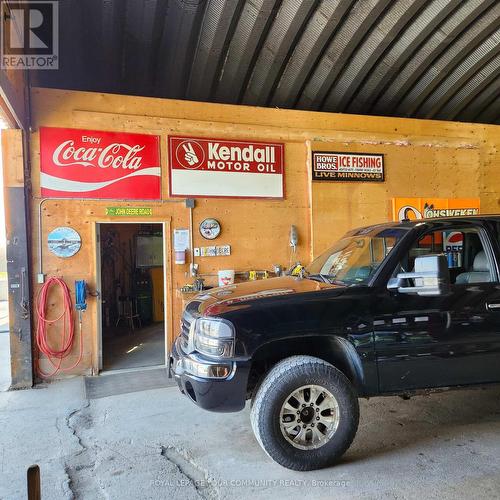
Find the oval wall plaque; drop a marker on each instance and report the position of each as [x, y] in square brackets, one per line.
[64, 242]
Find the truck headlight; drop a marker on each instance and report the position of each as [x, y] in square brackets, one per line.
[214, 337]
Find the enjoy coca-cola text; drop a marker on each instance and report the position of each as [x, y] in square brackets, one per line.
[115, 155]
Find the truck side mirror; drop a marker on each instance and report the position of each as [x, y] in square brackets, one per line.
[430, 277]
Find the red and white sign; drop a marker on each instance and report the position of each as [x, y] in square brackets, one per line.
[221, 168]
[453, 241]
[94, 164]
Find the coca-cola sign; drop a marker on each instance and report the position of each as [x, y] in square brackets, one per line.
[94, 164]
[225, 168]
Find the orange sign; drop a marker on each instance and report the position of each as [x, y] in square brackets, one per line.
[428, 208]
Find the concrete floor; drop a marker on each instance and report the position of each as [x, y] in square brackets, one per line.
[4, 346]
[134, 349]
[156, 444]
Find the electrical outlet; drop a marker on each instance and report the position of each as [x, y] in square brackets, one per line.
[40, 278]
[196, 251]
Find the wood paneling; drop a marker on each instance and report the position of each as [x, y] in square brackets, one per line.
[422, 158]
[432, 171]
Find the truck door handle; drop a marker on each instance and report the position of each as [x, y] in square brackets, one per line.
[493, 306]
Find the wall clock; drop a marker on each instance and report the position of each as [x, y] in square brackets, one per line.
[210, 229]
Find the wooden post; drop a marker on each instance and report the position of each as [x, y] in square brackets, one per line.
[18, 265]
[33, 477]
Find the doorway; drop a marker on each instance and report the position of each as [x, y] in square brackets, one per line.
[132, 276]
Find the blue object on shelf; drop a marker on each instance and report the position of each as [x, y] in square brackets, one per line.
[449, 256]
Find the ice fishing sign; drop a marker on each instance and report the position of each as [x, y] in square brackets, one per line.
[94, 164]
[225, 168]
[329, 166]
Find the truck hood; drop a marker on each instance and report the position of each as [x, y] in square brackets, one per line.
[231, 297]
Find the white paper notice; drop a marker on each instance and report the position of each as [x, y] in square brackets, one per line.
[181, 240]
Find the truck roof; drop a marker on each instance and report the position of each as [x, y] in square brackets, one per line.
[463, 218]
[407, 223]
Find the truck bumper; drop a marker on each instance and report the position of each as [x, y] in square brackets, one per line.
[219, 394]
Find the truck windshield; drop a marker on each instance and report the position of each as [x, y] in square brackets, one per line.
[356, 257]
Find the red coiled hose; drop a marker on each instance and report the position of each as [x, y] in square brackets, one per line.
[56, 355]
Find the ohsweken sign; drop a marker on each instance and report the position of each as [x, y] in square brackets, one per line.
[429, 208]
[225, 168]
[93, 164]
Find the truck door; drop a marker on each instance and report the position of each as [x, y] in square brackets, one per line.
[447, 340]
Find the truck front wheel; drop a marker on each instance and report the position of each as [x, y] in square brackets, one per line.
[305, 413]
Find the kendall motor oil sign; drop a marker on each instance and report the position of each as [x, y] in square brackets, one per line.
[102, 165]
[347, 167]
[225, 168]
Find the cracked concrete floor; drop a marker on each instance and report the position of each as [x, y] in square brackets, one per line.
[4, 346]
[156, 444]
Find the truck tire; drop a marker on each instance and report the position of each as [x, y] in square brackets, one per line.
[305, 413]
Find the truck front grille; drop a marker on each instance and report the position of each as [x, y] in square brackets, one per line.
[187, 318]
[185, 325]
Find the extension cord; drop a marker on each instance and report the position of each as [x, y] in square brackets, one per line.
[67, 333]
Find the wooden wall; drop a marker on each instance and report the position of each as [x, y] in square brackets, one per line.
[413, 168]
[423, 158]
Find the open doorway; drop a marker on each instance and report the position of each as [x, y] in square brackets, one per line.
[132, 295]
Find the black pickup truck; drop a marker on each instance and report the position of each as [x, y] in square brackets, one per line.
[394, 308]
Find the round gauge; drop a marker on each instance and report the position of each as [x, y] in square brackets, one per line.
[210, 229]
[64, 242]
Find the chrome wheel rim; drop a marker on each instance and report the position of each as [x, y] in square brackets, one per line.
[309, 417]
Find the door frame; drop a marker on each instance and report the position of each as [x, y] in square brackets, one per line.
[97, 365]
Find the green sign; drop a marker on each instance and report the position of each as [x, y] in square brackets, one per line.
[129, 211]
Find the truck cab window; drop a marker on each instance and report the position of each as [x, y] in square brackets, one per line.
[464, 251]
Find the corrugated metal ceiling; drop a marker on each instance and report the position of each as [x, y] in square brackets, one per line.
[435, 59]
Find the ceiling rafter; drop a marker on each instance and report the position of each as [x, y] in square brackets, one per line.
[434, 59]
